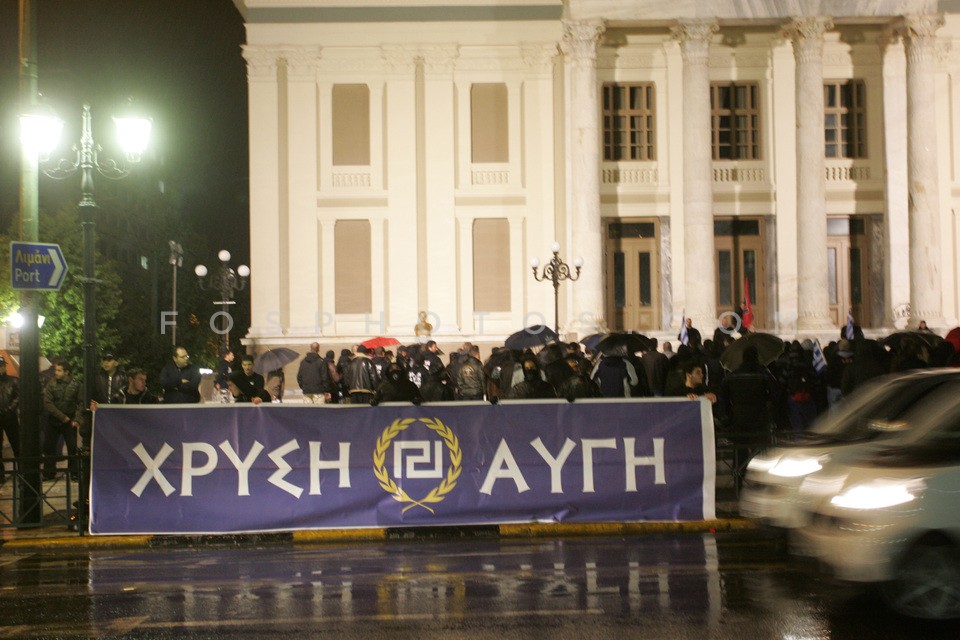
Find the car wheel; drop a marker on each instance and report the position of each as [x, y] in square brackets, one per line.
[927, 584]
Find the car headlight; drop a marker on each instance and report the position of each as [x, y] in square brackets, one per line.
[878, 494]
[788, 467]
[762, 463]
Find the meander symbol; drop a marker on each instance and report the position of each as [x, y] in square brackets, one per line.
[438, 493]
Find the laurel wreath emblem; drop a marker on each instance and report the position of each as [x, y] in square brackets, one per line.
[438, 493]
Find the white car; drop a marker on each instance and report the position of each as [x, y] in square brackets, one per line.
[881, 409]
[893, 517]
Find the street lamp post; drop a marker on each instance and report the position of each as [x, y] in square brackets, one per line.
[556, 271]
[134, 133]
[176, 261]
[226, 281]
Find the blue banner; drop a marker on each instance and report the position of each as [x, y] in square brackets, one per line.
[245, 468]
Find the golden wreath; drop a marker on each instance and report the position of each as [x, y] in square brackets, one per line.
[438, 493]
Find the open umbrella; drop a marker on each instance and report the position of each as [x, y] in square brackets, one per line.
[953, 337]
[274, 359]
[622, 344]
[919, 338]
[530, 337]
[592, 340]
[769, 348]
[380, 341]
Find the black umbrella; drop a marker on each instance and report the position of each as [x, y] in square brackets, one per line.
[592, 340]
[622, 344]
[530, 337]
[919, 338]
[769, 348]
[274, 359]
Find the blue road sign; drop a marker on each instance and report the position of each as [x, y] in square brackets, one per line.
[36, 266]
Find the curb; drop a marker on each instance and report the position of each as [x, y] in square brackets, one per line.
[332, 536]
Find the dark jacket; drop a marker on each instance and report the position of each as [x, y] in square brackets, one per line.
[138, 398]
[470, 379]
[746, 394]
[615, 376]
[109, 389]
[9, 395]
[313, 375]
[249, 385]
[399, 390]
[62, 400]
[360, 376]
[180, 386]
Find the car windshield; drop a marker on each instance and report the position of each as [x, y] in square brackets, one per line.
[936, 423]
[865, 414]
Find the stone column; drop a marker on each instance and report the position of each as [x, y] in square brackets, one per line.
[580, 40]
[265, 190]
[301, 268]
[700, 275]
[813, 302]
[924, 200]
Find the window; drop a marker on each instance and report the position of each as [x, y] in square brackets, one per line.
[735, 114]
[845, 119]
[352, 266]
[489, 123]
[628, 124]
[351, 125]
[491, 264]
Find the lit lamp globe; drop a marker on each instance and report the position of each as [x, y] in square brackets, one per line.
[224, 255]
[534, 262]
[243, 271]
[133, 132]
[201, 271]
[555, 247]
[578, 262]
[40, 130]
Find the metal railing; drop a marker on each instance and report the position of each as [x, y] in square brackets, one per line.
[29, 501]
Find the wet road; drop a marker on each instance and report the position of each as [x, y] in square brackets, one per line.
[739, 586]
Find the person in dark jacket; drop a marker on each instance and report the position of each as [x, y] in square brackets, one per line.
[470, 382]
[747, 394]
[136, 391]
[110, 382]
[533, 384]
[313, 376]
[361, 378]
[579, 384]
[397, 387]
[180, 380]
[250, 382]
[615, 376]
[62, 398]
[9, 412]
[243, 392]
[867, 364]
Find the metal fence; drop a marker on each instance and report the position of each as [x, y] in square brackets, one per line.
[29, 501]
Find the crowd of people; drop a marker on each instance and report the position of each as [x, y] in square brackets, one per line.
[783, 394]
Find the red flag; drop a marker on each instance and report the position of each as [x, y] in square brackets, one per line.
[747, 319]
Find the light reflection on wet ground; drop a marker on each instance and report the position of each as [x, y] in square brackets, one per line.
[684, 586]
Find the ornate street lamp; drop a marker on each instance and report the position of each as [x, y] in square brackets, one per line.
[133, 134]
[556, 271]
[226, 281]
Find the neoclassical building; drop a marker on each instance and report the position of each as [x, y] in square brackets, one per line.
[410, 156]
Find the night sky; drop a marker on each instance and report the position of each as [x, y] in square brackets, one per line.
[181, 61]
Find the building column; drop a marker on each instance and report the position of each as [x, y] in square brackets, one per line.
[919, 34]
[264, 118]
[813, 302]
[579, 46]
[700, 275]
[303, 256]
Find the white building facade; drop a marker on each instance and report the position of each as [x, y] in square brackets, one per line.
[411, 156]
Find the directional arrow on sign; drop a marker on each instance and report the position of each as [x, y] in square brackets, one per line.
[58, 268]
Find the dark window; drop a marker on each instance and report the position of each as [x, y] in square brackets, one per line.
[735, 115]
[628, 122]
[845, 119]
[618, 230]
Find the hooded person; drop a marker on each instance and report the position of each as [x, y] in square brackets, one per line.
[397, 387]
[533, 384]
